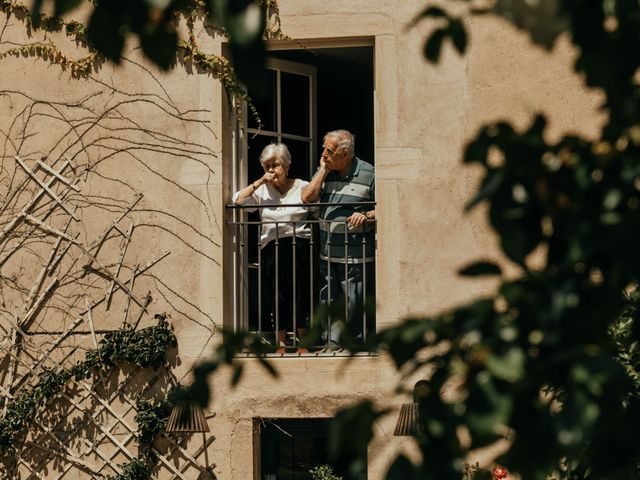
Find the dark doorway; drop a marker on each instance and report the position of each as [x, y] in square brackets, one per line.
[345, 92]
[289, 448]
[312, 91]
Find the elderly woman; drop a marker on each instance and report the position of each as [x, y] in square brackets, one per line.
[284, 232]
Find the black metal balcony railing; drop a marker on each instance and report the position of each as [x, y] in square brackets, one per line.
[321, 277]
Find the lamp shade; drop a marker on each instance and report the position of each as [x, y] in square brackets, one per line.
[409, 422]
[187, 417]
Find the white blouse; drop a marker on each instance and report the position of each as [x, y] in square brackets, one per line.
[266, 194]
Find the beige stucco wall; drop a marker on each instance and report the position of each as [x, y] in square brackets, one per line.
[139, 131]
[179, 176]
[424, 114]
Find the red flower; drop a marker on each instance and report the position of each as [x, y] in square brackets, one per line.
[500, 473]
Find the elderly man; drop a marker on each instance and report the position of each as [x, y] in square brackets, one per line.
[347, 239]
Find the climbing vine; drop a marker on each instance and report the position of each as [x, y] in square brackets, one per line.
[49, 52]
[137, 469]
[144, 348]
[188, 52]
[151, 418]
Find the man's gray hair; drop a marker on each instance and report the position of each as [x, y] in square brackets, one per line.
[276, 150]
[345, 139]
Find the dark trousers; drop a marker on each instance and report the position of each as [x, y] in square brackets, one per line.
[349, 291]
[293, 296]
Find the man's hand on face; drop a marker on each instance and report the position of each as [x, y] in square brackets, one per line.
[325, 163]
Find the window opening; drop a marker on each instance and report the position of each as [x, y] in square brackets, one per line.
[312, 91]
[289, 448]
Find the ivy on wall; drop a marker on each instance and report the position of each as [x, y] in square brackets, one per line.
[143, 348]
[80, 67]
[188, 53]
[137, 469]
[151, 418]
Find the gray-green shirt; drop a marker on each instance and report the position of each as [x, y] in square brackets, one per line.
[357, 186]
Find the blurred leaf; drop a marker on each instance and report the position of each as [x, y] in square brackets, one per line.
[313, 335]
[402, 469]
[404, 341]
[36, 8]
[490, 185]
[158, 4]
[205, 368]
[63, 6]
[237, 374]
[199, 391]
[477, 269]
[488, 411]
[434, 45]
[106, 30]
[516, 243]
[159, 45]
[478, 149]
[432, 12]
[350, 432]
[545, 20]
[268, 366]
[249, 62]
[508, 366]
[245, 22]
[513, 292]
[480, 11]
[458, 35]
[245, 25]
[218, 9]
[429, 12]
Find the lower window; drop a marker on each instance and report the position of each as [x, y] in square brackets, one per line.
[288, 449]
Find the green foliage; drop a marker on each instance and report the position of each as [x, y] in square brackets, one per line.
[323, 472]
[138, 468]
[349, 435]
[151, 418]
[155, 24]
[574, 202]
[452, 28]
[144, 348]
[624, 333]
[552, 358]
[472, 471]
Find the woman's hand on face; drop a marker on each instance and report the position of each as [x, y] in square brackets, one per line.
[268, 177]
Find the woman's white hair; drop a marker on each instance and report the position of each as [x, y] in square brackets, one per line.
[345, 139]
[276, 150]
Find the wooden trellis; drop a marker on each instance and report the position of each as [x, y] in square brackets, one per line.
[117, 418]
[49, 441]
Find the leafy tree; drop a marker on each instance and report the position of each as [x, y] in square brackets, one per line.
[551, 358]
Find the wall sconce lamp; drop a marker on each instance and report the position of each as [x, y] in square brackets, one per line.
[187, 417]
[410, 421]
